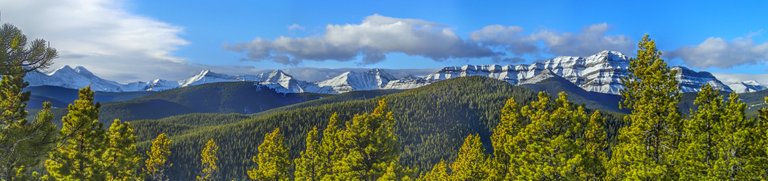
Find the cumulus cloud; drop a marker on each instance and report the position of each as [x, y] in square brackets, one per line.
[372, 39]
[590, 40]
[101, 35]
[509, 37]
[718, 52]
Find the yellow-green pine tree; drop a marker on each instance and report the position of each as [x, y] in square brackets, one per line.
[467, 165]
[697, 147]
[272, 160]
[645, 147]
[439, 172]
[22, 144]
[78, 155]
[210, 161]
[309, 164]
[509, 125]
[595, 147]
[329, 148]
[368, 145]
[120, 158]
[551, 144]
[157, 158]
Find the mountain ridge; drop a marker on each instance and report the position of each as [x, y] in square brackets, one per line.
[601, 72]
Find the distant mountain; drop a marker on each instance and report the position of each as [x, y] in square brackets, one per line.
[746, 86]
[601, 72]
[221, 97]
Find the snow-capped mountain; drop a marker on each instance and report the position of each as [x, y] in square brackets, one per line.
[75, 78]
[353, 81]
[600, 72]
[746, 86]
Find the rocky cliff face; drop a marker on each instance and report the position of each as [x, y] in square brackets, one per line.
[601, 72]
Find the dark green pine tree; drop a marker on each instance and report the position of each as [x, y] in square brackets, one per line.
[77, 156]
[22, 144]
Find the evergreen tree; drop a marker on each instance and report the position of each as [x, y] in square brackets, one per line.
[645, 146]
[210, 161]
[309, 164]
[272, 160]
[78, 154]
[157, 158]
[368, 145]
[120, 158]
[329, 148]
[551, 145]
[22, 144]
[697, 142]
[466, 166]
[503, 133]
[595, 147]
[439, 172]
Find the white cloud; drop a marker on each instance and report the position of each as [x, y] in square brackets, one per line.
[735, 78]
[509, 37]
[295, 27]
[372, 39]
[717, 52]
[590, 40]
[101, 35]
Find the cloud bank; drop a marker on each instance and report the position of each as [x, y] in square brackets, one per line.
[376, 36]
[718, 52]
[372, 39]
[101, 35]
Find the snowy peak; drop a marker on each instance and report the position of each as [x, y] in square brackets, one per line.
[692, 81]
[601, 72]
[747, 86]
[353, 81]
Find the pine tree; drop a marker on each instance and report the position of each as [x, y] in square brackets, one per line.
[368, 145]
[329, 148]
[595, 147]
[439, 172]
[309, 164]
[645, 147]
[210, 161]
[157, 158]
[551, 145]
[120, 158]
[272, 160]
[466, 166]
[503, 133]
[22, 144]
[697, 142]
[78, 155]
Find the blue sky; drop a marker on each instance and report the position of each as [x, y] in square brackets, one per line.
[726, 38]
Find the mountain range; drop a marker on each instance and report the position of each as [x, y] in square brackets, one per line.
[601, 73]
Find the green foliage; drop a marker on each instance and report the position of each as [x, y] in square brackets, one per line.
[157, 162]
[595, 148]
[22, 144]
[210, 161]
[368, 144]
[645, 147]
[438, 172]
[272, 161]
[309, 166]
[77, 156]
[120, 158]
[467, 165]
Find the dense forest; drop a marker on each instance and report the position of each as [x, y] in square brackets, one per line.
[470, 128]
